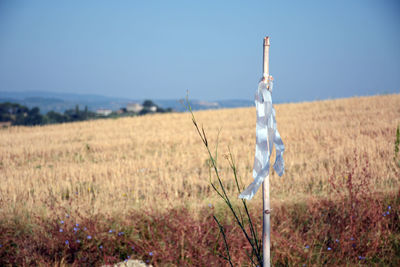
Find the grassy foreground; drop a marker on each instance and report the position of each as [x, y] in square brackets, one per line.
[314, 232]
[147, 180]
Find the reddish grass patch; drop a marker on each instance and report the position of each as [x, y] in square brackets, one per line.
[313, 232]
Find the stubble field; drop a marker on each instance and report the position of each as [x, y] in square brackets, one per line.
[158, 163]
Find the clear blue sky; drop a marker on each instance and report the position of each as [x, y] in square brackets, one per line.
[160, 49]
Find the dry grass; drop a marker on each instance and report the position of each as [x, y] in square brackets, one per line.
[157, 161]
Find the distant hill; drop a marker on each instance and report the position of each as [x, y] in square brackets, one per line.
[59, 102]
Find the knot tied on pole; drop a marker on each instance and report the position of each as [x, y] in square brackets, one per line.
[267, 135]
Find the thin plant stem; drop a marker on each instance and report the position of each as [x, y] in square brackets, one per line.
[238, 216]
[221, 229]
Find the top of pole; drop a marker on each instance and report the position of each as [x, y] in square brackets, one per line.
[266, 41]
[266, 58]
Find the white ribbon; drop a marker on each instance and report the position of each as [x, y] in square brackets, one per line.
[266, 136]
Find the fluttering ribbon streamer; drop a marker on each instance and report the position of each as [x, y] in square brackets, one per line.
[267, 135]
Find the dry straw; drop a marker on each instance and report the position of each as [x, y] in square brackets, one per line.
[157, 161]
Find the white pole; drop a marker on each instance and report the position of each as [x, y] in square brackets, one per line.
[266, 236]
[266, 58]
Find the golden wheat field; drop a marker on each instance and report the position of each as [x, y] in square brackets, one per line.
[158, 161]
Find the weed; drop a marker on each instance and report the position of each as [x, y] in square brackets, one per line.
[241, 218]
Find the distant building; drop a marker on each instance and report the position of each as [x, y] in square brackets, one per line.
[134, 107]
[153, 108]
[103, 112]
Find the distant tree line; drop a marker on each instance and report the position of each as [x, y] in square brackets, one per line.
[21, 115]
[17, 114]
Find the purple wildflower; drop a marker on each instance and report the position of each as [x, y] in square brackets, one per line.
[61, 230]
[151, 253]
[78, 241]
[120, 233]
[66, 242]
[89, 237]
[101, 247]
[307, 246]
[62, 222]
[110, 231]
[329, 248]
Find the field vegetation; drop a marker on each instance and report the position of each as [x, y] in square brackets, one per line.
[146, 179]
